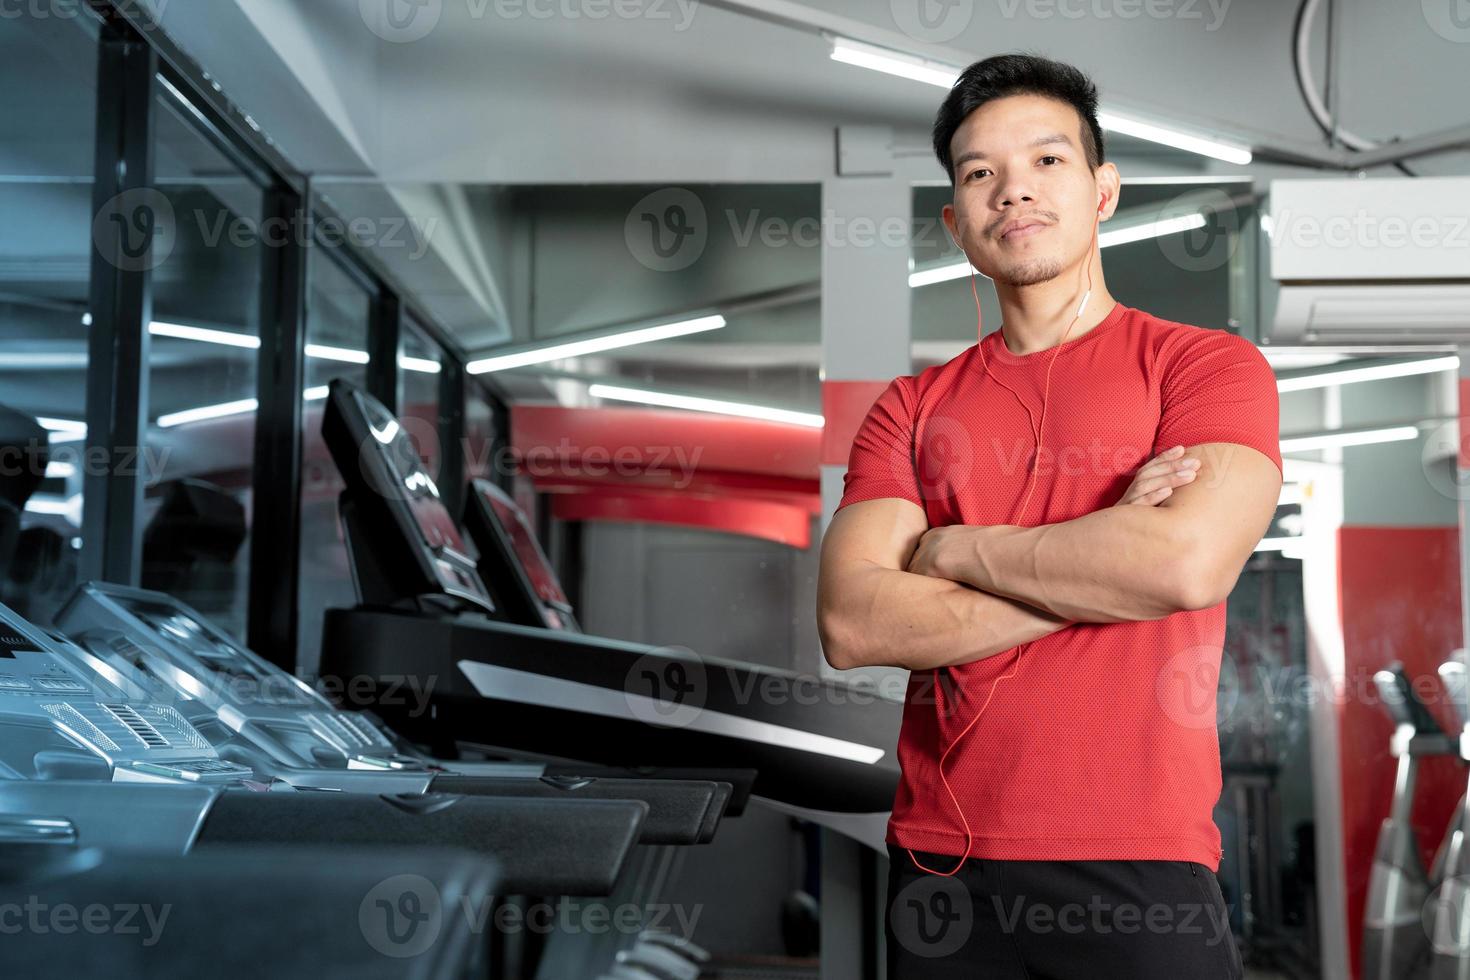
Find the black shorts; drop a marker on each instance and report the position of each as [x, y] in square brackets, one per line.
[1056, 920]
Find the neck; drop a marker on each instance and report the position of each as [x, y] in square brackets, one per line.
[1033, 318]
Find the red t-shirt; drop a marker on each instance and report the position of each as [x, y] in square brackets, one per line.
[1102, 744]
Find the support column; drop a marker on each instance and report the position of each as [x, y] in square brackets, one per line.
[132, 232]
[867, 213]
[1462, 474]
[867, 210]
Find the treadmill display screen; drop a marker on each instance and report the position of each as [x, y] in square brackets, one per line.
[213, 651]
[527, 549]
[415, 485]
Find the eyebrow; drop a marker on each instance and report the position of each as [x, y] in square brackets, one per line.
[969, 155]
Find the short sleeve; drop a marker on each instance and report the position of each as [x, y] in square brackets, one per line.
[1218, 387]
[880, 463]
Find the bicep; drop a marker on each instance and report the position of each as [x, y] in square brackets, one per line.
[1229, 504]
[883, 531]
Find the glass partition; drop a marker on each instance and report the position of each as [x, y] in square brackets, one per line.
[202, 375]
[339, 309]
[48, 71]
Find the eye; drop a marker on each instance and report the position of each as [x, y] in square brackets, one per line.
[1050, 157]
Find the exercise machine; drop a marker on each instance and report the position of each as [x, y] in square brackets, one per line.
[130, 775]
[267, 719]
[1449, 928]
[235, 913]
[824, 749]
[1395, 938]
[515, 674]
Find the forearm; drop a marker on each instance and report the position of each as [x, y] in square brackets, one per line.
[1120, 564]
[876, 616]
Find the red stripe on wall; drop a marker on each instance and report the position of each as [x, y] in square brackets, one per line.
[1400, 592]
[765, 519]
[1464, 418]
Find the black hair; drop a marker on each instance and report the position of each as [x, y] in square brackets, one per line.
[1018, 74]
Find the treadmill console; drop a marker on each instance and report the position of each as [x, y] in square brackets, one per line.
[166, 645]
[387, 487]
[50, 701]
[525, 586]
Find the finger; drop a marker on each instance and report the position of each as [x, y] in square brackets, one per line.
[1151, 498]
[1159, 464]
[1175, 478]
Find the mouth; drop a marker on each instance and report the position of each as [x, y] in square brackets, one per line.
[1025, 231]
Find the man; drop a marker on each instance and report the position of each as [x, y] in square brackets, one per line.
[1059, 752]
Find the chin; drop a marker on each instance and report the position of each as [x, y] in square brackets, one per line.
[1030, 271]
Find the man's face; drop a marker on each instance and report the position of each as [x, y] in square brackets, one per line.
[1021, 159]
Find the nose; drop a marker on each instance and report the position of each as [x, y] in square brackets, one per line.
[1013, 196]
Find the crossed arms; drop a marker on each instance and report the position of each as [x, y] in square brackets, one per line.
[893, 592]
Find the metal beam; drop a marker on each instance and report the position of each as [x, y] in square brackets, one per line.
[130, 231]
[452, 476]
[1442, 141]
[385, 347]
[275, 541]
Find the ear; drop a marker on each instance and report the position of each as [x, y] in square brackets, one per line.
[1109, 186]
[951, 223]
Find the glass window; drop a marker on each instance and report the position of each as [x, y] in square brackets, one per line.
[482, 421]
[202, 370]
[48, 71]
[422, 363]
[338, 312]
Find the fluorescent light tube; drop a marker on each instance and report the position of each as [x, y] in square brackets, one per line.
[1365, 437]
[343, 354]
[228, 338]
[915, 68]
[1134, 233]
[1138, 129]
[180, 331]
[420, 364]
[714, 405]
[592, 345]
[205, 412]
[892, 62]
[1369, 372]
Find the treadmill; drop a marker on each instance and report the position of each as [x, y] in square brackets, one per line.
[822, 750]
[261, 716]
[1450, 921]
[1397, 917]
[82, 759]
[257, 714]
[239, 913]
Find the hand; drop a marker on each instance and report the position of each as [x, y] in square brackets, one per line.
[938, 548]
[1158, 477]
